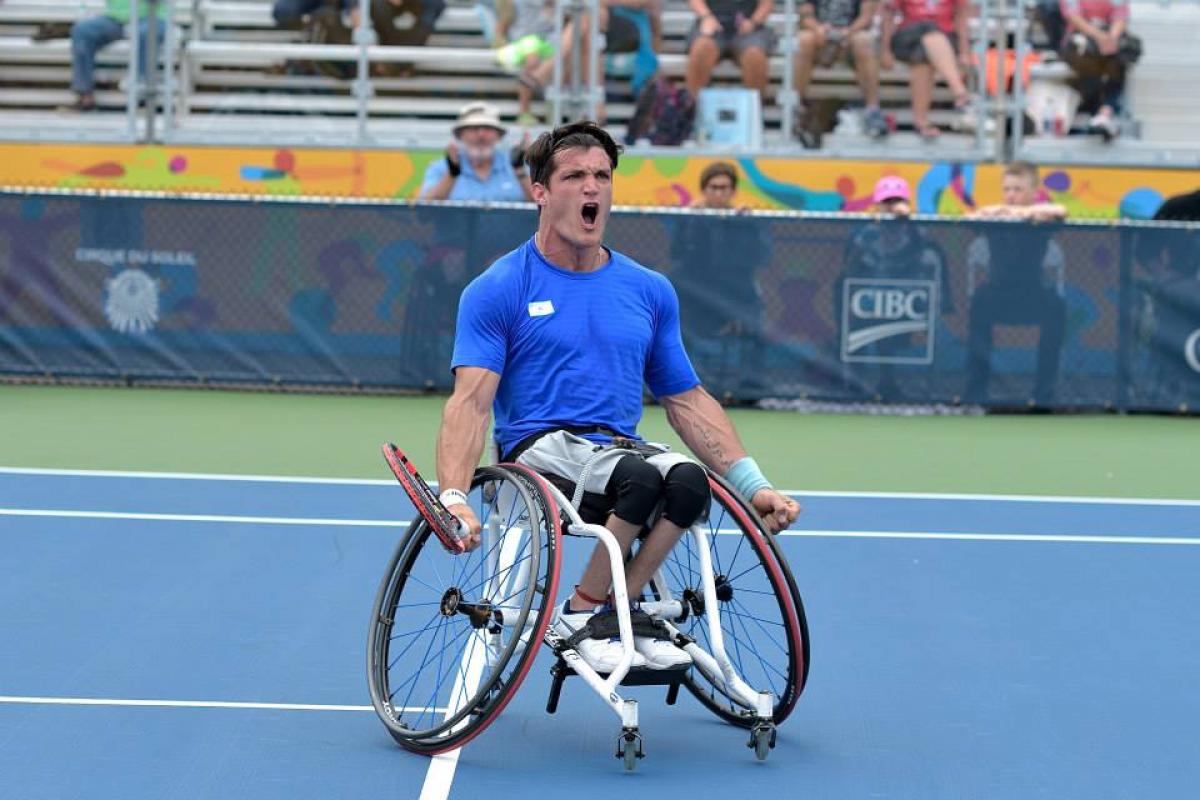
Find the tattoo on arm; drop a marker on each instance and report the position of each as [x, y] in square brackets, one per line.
[705, 427]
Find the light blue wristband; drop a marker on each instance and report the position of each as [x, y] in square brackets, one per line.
[746, 477]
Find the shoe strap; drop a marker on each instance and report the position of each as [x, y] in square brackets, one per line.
[605, 625]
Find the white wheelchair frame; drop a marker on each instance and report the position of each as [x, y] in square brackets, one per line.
[716, 666]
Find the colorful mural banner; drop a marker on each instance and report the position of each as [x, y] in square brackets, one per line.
[948, 188]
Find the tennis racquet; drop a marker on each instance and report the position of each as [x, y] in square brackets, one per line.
[444, 525]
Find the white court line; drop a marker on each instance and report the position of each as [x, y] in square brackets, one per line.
[1007, 498]
[993, 537]
[50, 512]
[827, 534]
[440, 775]
[190, 476]
[101, 701]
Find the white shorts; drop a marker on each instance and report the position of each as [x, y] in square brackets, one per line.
[572, 457]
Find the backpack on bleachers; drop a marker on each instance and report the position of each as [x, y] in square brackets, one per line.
[664, 115]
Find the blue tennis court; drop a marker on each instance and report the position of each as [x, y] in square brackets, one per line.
[184, 636]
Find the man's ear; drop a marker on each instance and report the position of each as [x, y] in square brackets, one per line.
[539, 193]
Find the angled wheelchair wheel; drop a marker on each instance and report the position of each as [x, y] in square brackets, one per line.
[759, 607]
[453, 636]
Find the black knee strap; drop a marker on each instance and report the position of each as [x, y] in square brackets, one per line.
[637, 486]
[685, 493]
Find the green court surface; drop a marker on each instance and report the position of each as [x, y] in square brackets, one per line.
[339, 436]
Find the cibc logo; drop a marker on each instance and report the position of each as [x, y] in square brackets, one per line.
[1191, 350]
[888, 320]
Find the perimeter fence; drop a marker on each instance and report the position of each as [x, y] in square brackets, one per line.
[357, 296]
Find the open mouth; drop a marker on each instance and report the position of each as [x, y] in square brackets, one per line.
[589, 212]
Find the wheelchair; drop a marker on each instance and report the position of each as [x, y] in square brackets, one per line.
[453, 636]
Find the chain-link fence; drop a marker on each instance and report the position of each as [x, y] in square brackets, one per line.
[364, 295]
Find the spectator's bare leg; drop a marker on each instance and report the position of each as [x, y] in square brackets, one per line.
[753, 62]
[703, 56]
[866, 67]
[810, 43]
[941, 55]
[529, 75]
[654, 10]
[920, 84]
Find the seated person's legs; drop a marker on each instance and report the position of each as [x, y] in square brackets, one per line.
[925, 48]
[88, 36]
[703, 52]
[750, 50]
[685, 499]
[633, 489]
[866, 70]
[942, 57]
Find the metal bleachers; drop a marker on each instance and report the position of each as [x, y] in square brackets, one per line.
[236, 78]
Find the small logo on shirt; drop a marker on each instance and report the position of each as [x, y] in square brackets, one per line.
[541, 308]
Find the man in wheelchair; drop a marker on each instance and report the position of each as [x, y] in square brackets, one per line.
[557, 338]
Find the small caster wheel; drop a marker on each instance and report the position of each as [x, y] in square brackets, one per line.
[762, 740]
[629, 748]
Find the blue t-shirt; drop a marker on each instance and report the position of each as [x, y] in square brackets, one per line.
[572, 349]
[501, 185]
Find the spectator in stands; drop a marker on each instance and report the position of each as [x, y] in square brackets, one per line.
[1099, 50]
[720, 308]
[718, 187]
[536, 53]
[929, 36]
[419, 16]
[473, 167]
[831, 30]
[735, 29]
[1180, 208]
[893, 248]
[1049, 14]
[1024, 285]
[527, 26]
[293, 14]
[90, 35]
[1166, 311]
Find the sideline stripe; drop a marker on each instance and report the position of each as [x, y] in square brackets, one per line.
[995, 537]
[190, 476]
[440, 775]
[98, 701]
[49, 512]
[1008, 498]
[822, 534]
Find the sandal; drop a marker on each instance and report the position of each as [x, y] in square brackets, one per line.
[929, 133]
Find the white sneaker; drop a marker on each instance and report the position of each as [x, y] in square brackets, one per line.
[602, 655]
[1106, 125]
[660, 653]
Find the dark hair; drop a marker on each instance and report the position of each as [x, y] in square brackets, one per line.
[716, 169]
[585, 134]
[1023, 169]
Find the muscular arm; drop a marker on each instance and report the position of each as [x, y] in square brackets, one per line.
[705, 428]
[464, 425]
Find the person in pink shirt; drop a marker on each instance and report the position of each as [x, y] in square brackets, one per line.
[931, 37]
[1093, 46]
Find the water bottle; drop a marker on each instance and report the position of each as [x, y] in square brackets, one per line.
[1048, 117]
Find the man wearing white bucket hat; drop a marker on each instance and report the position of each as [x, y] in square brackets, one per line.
[473, 167]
